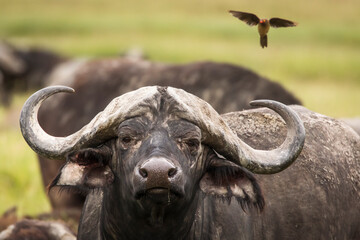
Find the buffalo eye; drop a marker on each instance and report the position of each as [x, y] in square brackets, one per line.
[130, 132]
[192, 145]
[186, 135]
[127, 141]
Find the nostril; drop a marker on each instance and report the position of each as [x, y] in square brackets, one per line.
[172, 172]
[143, 172]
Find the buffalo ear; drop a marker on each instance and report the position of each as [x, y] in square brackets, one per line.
[86, 169]
[225, 180]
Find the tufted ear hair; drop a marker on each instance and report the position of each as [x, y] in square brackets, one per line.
[225, 180]
[85, 169]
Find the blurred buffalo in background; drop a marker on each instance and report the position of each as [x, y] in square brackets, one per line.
[23, 69]
[33, 68]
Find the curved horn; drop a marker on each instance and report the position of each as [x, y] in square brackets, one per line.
[101, 128]
[276, 160]
[35, 136]
[218, 135]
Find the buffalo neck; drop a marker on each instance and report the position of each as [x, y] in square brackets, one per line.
[122, 219]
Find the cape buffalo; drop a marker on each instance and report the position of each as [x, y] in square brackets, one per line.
[157, 163]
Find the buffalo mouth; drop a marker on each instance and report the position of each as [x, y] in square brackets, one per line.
[159, 195]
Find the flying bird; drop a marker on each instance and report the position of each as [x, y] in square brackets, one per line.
[263, 24]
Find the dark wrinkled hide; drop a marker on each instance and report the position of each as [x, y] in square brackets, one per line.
[226, 87]
[315, 198]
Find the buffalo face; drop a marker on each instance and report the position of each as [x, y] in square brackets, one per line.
[155, 167]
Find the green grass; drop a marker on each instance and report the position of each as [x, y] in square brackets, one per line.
[319, 60]
[19, 176]
[20, 179]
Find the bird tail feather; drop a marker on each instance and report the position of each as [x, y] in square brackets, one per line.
[263, 41]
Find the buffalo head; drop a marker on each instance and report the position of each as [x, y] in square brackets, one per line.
[152, 151]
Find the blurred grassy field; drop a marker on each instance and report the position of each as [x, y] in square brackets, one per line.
[319, 60]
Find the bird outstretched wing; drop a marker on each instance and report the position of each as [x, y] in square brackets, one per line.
[279, 22]
[249, 18]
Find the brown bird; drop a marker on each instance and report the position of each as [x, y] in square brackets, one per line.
[263, 24]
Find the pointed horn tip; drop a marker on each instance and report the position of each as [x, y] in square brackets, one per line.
[62, 89]
[264, 103]
[294, 141]
[46, 92]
